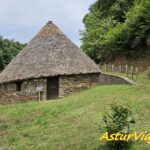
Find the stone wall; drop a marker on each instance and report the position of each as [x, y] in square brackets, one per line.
[75, 83]
[105, 79]
[67, 85]
[8, 93]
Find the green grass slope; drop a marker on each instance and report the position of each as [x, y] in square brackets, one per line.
[72, 123]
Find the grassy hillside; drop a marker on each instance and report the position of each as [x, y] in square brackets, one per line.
[73, 122]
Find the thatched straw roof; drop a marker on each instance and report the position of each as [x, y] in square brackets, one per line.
[50, 53]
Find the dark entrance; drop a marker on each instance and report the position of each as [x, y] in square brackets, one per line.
[52, 87]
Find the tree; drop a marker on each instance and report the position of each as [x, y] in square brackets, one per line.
[8, 50]
[116, 27]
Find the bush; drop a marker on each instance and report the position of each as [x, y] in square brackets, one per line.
[118, 120]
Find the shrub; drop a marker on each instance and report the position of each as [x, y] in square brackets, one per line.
[118, 120]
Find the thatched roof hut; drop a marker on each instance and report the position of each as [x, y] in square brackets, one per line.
[50, 53]
[50, 66]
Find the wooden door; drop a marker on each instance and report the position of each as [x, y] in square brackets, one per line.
[52, 87]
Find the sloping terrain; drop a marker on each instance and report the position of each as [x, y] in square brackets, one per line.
[143, 63]
[72, 123]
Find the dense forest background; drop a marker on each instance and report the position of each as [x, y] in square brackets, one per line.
[8, 50]
[117, 28]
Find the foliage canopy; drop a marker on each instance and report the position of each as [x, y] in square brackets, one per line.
[116, 27]
[8, 49]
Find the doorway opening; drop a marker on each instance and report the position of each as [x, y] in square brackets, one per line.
[52, 87]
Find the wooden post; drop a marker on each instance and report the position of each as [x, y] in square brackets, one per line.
[105, 68]
[112, 68]
[126, 70]
[136, 70]
[132, 72]
[120, 69]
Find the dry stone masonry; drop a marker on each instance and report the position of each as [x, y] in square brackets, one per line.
[49, 67]
[67, 85]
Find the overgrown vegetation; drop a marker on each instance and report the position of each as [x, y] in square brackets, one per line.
[116, 27]
[72, 122]
[118, 120]
[8, 50]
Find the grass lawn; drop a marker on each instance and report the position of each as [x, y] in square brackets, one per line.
[72, 123]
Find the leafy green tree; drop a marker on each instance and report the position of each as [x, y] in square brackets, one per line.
[116, 27]
[8, 50]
